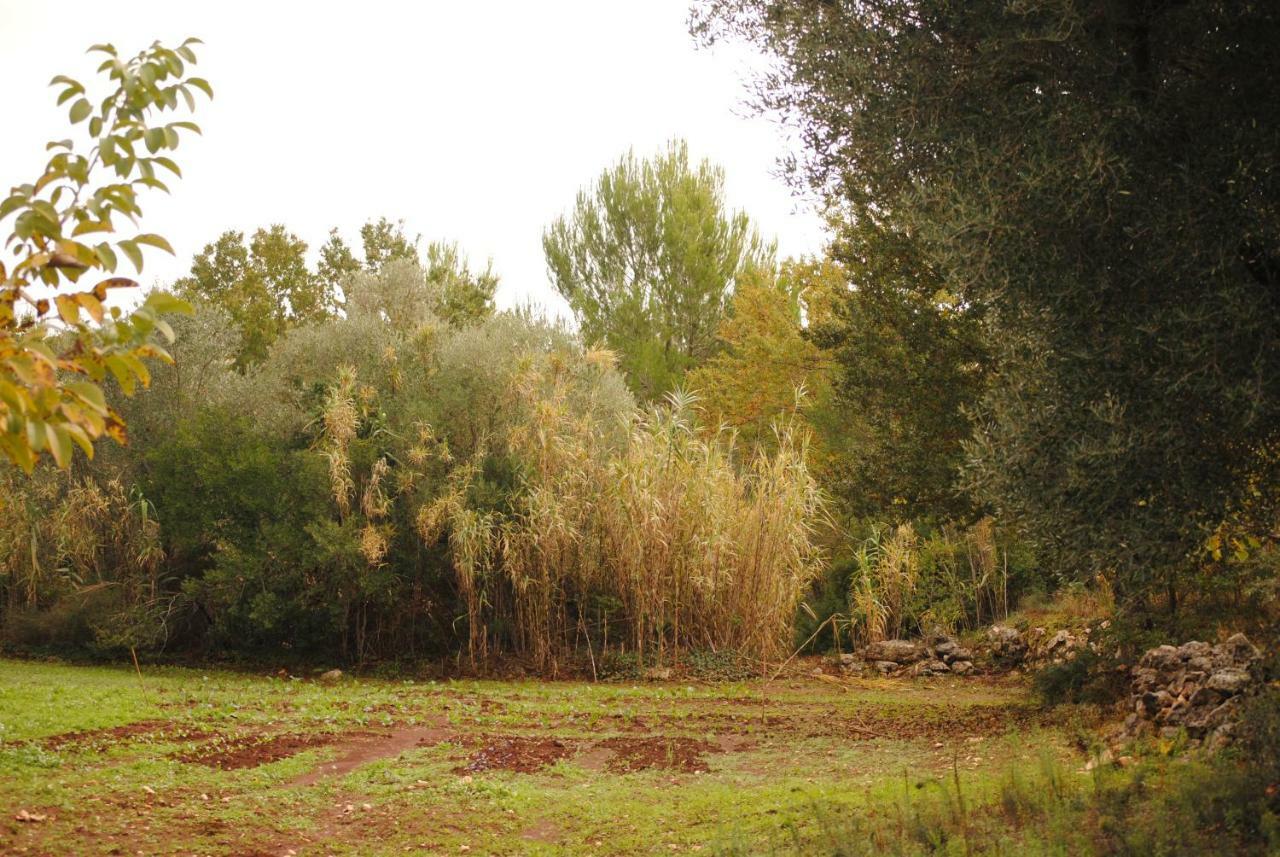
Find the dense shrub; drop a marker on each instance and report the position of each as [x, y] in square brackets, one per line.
[385, 486]
[948, 580]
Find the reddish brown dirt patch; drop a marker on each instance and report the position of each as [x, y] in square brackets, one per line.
[594, 758]
[516, 753]
[229, 754]
[677, 754]
[365, 748]
[120, 734]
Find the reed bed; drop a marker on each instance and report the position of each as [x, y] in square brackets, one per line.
[649, 537]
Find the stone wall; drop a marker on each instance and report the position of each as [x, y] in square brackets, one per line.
[1196, 686]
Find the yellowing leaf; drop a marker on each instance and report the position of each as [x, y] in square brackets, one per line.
[68, 309]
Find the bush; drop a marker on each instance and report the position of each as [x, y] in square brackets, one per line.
[944, 579]
[1087, 678]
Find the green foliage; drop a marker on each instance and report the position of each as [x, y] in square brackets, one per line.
[264, 286]
[766, 371]
[466, 298]
[337, 264]
[82, 565]
[647, 261]
[1098, 181]
[948, 580]
[1086, 678]
[384, 242]
[910, 363]
[50, 333]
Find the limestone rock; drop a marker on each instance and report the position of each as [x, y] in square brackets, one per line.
[1008, 646]
[1229, 681]
[897, 651]
[1196, 687]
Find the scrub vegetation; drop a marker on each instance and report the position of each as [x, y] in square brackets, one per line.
[296, 515]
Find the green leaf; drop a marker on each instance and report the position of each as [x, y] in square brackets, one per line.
[120, 371]
[80, 110]
[81, 437]
[59, 444]
[201, 84]
[166, 330]
[155, 139]
[91, 394]
[153, 240]
[169, 165]
[133, 251]
[107, 255]
[164, 302]
[10, 205]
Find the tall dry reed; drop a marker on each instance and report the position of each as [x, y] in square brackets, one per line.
[647, 537]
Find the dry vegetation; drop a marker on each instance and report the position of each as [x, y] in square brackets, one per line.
[648, 537]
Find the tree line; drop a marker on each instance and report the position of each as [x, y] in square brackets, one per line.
[1040, 350]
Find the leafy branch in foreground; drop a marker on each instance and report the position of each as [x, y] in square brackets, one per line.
[59, 340]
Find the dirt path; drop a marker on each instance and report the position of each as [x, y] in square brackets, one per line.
[363, 749]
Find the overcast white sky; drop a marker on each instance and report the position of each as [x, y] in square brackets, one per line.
[475, 122]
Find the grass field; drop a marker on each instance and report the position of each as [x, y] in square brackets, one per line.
[208, 762]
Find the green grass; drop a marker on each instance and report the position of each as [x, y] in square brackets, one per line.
[781, 761]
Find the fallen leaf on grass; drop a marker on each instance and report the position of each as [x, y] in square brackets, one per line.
[30, 817]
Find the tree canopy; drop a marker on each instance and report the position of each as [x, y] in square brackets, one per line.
[647, 260]
[265, 286]
[1100, 180]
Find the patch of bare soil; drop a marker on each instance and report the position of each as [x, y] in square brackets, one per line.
[897, 723]
[120, 734]
[234, 753]
[517, 753]
[362, 748]
[677, 754]
[543, 831]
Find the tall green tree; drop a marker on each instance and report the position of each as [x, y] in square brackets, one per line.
[768, 370]
[265, 286]
[337, 263]
[466, 297]
[1102, 178]
[911, 362]
[647, 260]
[384, 241]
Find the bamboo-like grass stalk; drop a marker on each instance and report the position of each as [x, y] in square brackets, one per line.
[701, 549]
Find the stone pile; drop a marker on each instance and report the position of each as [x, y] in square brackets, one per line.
[937, 655]
[1007, 646]
[1195, 686]
[1010, 648]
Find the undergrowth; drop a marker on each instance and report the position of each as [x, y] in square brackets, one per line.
[1166, 803]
